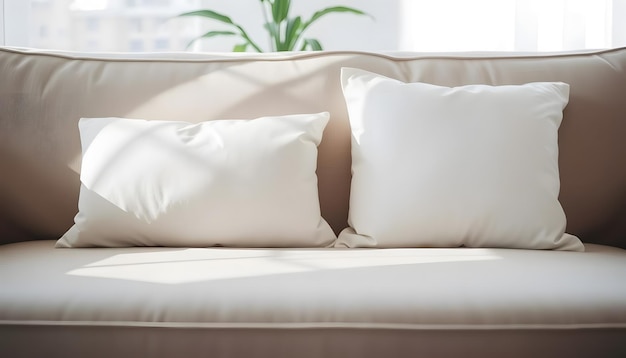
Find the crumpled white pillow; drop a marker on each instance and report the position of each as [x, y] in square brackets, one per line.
[473, 166]
[245, 183]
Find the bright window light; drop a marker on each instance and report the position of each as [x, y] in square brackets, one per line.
[505, 25]
[89, 5]
[398, 25]
[458, 25]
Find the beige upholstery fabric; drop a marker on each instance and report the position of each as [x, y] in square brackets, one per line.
[44, 94]
[306, 303]
[278, 301]
[393, 288]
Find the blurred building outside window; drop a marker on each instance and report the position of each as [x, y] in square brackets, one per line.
[99, 25]
[399, 25]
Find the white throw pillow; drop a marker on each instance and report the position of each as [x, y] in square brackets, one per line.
[473, 166]
[239, 183]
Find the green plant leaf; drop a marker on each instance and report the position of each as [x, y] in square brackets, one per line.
[211, 34]
[209, 14]
[280, 10]
[224, 19]
[241, 47]
[292, 33]
[218, 33]
[333, 9]
[245, 36]
[283, 36]
[314, 44]
[274, 31]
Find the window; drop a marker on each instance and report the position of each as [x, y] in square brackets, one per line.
[161, 44]
[149, 3]
[92, 45]
[511, 25]
[92, 24]
[136, 45]
[136, 25]
[400, 25]
[96, 25]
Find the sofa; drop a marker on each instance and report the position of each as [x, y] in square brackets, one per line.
[300, 252]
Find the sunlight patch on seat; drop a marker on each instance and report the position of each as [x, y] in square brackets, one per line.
[195, 265]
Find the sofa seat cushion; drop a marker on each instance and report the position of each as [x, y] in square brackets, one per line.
[366, 288]
[227, 302]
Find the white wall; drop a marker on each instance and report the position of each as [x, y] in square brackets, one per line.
[619, 23]
[1, 22]
[15, 18]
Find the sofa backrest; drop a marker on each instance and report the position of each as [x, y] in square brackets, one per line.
[43, 95]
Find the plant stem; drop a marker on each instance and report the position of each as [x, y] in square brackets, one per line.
[248, 39]
[264, 7]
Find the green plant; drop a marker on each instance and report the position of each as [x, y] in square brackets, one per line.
[285, 33]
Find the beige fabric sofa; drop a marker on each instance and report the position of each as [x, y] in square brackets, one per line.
[299, 302]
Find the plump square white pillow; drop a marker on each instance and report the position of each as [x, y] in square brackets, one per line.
[245, 183]
[473, 166]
